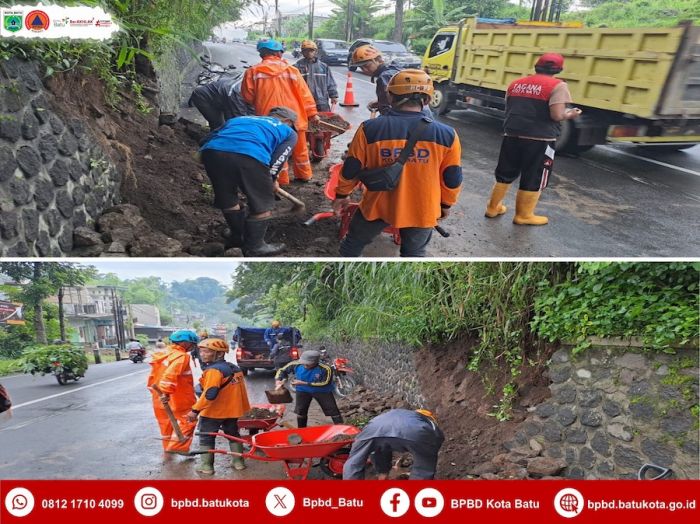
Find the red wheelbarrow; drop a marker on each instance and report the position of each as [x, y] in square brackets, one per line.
[320, 141]
[296, 448]
[350, 210]
[347, 214]
[254, 425]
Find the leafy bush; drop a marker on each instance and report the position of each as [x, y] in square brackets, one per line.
[50, 358]
[8, 367]
[656, 301]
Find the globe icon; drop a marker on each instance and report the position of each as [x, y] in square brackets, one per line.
[569, 502]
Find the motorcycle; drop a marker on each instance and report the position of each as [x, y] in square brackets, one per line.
[137, 355]
[64, 374]
[345, 383]
[342, 372]
[296, 52]
[212, 71]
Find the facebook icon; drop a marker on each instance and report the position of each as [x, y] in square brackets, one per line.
[395, 502]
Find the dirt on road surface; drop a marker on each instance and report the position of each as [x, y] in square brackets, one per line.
[161, 176]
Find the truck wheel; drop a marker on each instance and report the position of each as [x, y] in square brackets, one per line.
[439, 103]
[244, 371]
[568, 140]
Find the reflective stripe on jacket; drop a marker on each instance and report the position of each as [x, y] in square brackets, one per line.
[319, 78]
[273, 82]
[431, 176]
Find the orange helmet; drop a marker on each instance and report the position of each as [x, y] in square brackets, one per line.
[308, 44]
[411, 81]
[214, 344]
[363, 54]
[427, 413]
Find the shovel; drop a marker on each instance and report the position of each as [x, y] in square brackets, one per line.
[171, 416]
[299, 207]
[279, 396]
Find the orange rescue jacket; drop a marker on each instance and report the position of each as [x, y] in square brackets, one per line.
[273, 82]
[171, 372]
[432, 175]
[231, 401]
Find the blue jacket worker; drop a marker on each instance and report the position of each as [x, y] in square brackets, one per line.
[313, 380]
[246, 154]
[400, 430]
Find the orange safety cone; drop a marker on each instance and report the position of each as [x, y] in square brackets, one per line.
[349, 100]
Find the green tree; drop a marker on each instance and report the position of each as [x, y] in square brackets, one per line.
[39, 280]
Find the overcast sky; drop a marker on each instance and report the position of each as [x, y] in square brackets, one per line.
[169, 270]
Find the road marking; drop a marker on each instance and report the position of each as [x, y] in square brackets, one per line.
[74, 390]
[657, 162]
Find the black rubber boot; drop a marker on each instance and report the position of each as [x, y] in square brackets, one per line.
[254, 244]
[301, 422]
[236, 223]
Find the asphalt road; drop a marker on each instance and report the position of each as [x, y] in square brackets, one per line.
[613, 201]
[102, 427]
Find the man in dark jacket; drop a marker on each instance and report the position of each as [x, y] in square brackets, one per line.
[370, 61]
[398, 430]
[220, 100]
[247, 153]
[535, 106]
[318, 76]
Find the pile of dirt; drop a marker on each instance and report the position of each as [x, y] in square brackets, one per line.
[168, 184]
[464, 408]
[334, 120]
[260, 414]
[476, 443]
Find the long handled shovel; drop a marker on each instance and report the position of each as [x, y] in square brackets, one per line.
[171, 416]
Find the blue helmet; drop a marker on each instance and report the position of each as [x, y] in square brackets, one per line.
[184, 335]
[272, 45]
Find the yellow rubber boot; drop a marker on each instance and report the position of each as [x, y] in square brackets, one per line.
[495, 206]
[525, 203]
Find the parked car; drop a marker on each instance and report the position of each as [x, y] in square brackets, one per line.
[332, 52]
[393, 52]
[252, 352]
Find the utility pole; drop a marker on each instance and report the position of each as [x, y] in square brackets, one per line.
[115, 314]
[311, 19]
[348, 21]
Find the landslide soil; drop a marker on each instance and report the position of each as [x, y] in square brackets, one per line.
[464, 403]
[169, 186]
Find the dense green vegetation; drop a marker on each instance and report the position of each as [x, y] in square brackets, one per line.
[44, 359]
[506, 309]
[149, 29]
[655, 301]
[638, 13]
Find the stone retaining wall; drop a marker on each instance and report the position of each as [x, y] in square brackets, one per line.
[387, 368]
[53, 176]
[613, 410]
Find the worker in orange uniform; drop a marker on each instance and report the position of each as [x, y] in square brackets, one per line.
[172, 375]
[431, 179]
[273, 82]
[222, 401]
[535, 107]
